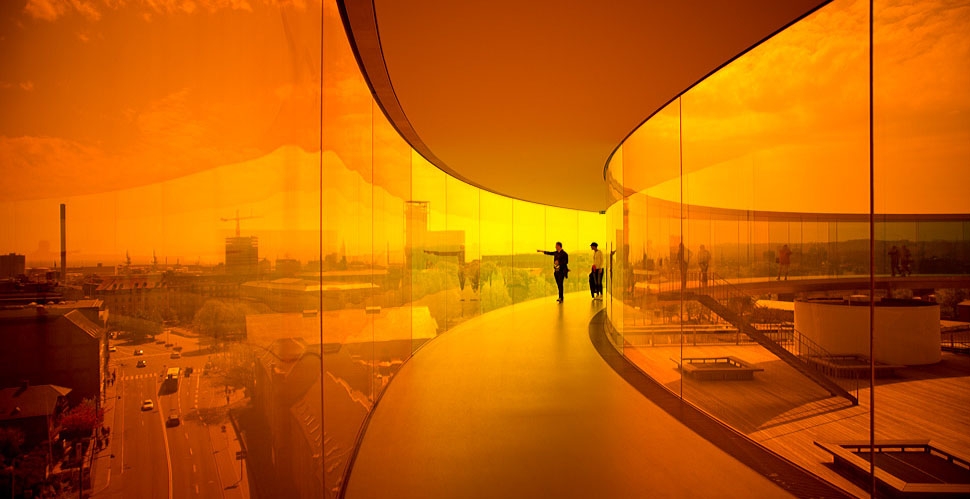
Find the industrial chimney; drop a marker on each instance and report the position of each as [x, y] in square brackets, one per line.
[63, 243]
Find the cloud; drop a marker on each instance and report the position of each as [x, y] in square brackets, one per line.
[51, 10]
[26, 86]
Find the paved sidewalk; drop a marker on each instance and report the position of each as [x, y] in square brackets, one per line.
[101, 465]
[226, 444]
[232, 472]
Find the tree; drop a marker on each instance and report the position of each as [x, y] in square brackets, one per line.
[225, 321]
[949, 299]
[139, 328]
[495, 294]
[237, 367]
[81, 420]
[220, 320]
[765, 315]
[11, 441]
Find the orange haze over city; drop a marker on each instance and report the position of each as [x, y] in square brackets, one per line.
[154, 121]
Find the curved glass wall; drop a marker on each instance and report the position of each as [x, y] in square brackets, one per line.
[238, 208]
[440, 251]
[740, 220]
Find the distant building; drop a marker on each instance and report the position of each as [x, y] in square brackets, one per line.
[62, 345]
[287, 267]
[288, 294]
[34, 410]
[12, 265]
[188, 291]
[15, 292]
[417, 237]
[133, 294]
[242, 255]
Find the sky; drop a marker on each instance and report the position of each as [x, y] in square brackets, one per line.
[785, 126]
[154, 120]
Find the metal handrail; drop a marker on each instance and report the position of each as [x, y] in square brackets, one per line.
[725, 292]
[804, 346]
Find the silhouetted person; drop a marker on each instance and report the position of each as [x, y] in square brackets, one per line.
[596, 276]
[560, 265]
[906, 262]
[682, 258]
[704, 261]
[894, 259]
[784, 261]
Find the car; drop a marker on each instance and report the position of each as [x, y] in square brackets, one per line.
[177, 348]
[175, 355]
[147, 405]
[173, 419]
[159, 342]
[139, 352]
[141, 363]
[112, 349]
[168, 345]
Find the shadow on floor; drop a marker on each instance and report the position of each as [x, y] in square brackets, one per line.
[786, 475]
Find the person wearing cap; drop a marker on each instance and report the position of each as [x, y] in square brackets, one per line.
[596, 275]
[560, 265]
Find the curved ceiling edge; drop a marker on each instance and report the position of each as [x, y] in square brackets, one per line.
[360, 23]
[498, 100]
[606, 165]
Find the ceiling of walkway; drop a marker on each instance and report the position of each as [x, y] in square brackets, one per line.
[529, 99]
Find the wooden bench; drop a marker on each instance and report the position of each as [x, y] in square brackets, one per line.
[933, 481]
[717, 368]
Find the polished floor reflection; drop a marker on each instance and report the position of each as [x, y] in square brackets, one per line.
[518, 403]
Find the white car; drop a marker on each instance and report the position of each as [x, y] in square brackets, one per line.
[112, 349]
[147, 405]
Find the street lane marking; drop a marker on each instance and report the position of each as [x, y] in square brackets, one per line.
[168, 452]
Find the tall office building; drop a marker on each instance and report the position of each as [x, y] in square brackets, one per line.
[242, 255]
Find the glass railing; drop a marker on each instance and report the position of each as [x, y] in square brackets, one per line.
[741, 233]
[252, 253]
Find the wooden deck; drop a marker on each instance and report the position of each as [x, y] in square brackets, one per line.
[788, 413]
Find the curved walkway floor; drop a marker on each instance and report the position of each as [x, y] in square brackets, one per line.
[518, 403]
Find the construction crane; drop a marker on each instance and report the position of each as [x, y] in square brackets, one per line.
[237, 218]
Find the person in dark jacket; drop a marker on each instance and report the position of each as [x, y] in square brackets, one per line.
[560, 265]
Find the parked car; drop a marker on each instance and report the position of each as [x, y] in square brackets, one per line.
[175, 355]
[147, 405]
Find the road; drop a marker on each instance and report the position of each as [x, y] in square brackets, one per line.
[152, 459]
